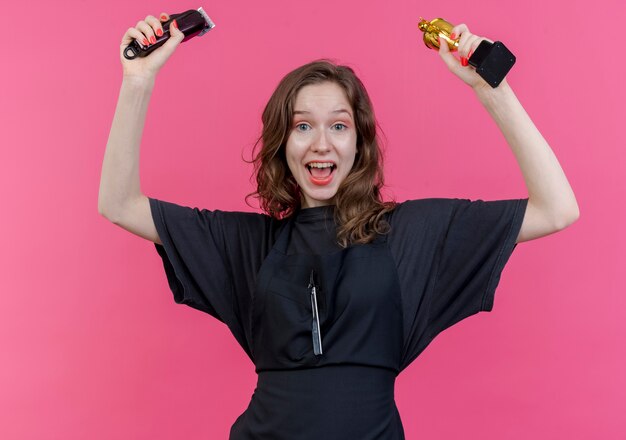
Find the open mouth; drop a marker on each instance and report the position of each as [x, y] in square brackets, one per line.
[321, 173]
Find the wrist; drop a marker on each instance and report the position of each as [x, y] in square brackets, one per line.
[139, 81]
[487, 94]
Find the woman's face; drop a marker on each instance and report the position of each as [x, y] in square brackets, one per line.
[322, 133]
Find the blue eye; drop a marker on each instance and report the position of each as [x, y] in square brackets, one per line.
[343, 127]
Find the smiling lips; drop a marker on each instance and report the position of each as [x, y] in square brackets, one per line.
[321, 172]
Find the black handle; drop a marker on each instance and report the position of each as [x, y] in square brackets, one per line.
[492, 61]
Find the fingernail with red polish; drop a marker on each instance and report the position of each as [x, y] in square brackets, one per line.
[163, 17]
[152, 39]
[464, 61]
[159, 32]
[145, 42]
[453, 36]
[175, 24]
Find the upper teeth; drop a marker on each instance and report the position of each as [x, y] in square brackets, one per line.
[320, 164]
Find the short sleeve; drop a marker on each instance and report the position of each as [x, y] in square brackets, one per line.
[479, 238]
[449, 255]
[201, 248]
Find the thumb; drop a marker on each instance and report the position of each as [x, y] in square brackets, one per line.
[443, 45]
[444, 52]
[168, 48]
[176, 35]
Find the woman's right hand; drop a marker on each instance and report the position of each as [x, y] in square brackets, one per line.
[147, 67]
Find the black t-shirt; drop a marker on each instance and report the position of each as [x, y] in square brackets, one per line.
[449, 255]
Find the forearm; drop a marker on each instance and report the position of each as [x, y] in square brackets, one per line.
[547, 185]
[119, 180]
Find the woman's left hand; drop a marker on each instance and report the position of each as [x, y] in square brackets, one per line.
[468, 43]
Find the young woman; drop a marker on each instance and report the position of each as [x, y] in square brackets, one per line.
[332, 291]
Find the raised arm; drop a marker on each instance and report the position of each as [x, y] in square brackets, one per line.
[119, 181]
[552, 205]
[120, 198]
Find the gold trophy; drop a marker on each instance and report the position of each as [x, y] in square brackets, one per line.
[491, 60]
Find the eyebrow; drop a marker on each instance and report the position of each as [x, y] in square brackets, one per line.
[341, 110]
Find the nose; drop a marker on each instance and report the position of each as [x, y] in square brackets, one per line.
[321, 142]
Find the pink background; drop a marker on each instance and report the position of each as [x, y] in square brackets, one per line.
[92, 343]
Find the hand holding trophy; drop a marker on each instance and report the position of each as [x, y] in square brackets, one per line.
[492, 60]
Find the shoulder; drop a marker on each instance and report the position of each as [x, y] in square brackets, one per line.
[416, 224]
[188, 217]
[422, 210]
[244, 217]
[249, 223]
[416, 230]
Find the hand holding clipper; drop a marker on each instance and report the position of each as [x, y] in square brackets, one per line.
[191, 23]
[159, 38]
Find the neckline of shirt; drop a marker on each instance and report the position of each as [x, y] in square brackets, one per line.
[315, 213]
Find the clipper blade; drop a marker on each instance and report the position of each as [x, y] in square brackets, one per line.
[209, 23]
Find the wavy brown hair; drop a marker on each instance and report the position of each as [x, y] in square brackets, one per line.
[359, 208]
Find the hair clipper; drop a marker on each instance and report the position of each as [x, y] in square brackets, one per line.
[191, 23]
